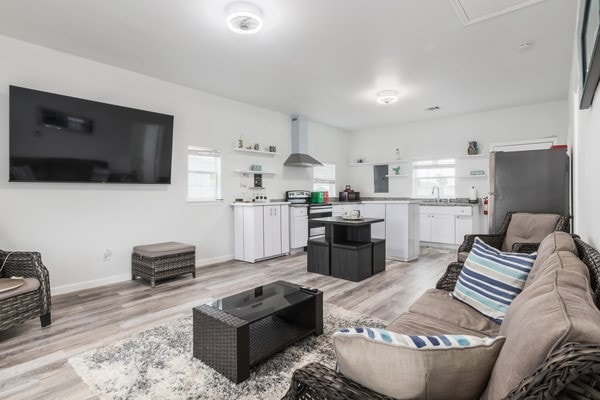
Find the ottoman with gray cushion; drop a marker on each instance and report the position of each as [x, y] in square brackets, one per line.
[163, 260]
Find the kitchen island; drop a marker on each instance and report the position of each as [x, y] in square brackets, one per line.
[347, 251]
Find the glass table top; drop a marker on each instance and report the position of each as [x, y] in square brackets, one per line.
[257, 303]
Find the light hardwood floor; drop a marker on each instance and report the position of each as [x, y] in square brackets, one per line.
[34, 361]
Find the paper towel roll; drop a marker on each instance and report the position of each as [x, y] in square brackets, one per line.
[473, 194]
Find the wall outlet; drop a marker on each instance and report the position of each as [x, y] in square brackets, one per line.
[107, 255]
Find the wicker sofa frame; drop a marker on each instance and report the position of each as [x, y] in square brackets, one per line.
[570, 373]
[18, 309]
[495, 240]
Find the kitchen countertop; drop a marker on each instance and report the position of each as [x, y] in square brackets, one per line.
[460, 202]
[264, 203]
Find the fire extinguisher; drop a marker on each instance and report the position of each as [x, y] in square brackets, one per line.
[485, 206]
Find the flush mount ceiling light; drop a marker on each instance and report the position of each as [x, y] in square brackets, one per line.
[244, 18]
[387, 97]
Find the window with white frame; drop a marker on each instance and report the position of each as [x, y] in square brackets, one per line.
[324, 178]
[204, 174]
[429, 174]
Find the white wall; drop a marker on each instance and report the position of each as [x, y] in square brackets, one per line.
[72, 224]
[585, 137]
[448, 137]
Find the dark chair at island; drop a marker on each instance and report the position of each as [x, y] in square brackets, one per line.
[32, 299]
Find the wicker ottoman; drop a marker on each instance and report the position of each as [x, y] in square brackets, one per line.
[163, 260]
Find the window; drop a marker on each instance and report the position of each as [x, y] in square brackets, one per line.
[434, 173]
[324, 178]
[204, 174]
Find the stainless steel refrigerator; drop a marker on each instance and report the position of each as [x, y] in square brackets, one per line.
[528, 181]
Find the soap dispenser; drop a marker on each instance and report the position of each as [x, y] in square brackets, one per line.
[473, 195]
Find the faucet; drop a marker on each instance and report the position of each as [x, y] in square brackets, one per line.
[438, 192]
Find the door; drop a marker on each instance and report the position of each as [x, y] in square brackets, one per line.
[272, 230]
[442, 228]
[463, 226]
[424, 228]
[534, 181]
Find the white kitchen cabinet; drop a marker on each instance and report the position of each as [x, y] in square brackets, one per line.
[448, 224]
[261, 231]
[339, 209]
[298, 227]
[375, 211]
[402, 230]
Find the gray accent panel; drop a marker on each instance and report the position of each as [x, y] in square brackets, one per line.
[534, 181]
[380, 179]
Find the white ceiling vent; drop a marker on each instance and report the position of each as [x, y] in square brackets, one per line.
[473, 11]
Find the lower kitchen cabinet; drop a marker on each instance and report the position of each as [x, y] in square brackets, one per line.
[375, 211]
[448, 224]
[402, 231]
[260, 231]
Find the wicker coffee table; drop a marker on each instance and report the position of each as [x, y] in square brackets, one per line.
[237, 332]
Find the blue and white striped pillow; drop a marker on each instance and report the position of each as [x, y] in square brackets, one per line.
[491, 279]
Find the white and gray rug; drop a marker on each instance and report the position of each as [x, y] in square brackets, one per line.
[158, 364]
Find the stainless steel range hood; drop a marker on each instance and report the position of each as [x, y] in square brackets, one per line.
[299, 156]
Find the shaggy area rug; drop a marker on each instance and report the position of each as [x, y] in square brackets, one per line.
[158, 364]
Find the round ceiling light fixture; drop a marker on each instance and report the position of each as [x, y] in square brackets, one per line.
[387, 97]
[244, 18]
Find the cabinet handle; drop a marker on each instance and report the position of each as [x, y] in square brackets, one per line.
[270, 211]
[275, 211]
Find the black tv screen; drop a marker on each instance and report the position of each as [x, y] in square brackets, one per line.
[55, 138]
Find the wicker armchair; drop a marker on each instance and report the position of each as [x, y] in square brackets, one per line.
[496, 240]
[572, 372]
[20, 308]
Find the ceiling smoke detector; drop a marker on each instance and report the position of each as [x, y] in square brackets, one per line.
[244, 18]
[387, 97]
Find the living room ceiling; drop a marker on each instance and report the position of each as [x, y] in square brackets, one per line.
[326, 59]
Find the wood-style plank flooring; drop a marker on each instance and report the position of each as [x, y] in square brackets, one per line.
[34, 361]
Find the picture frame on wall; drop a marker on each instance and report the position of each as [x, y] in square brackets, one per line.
[590, 52]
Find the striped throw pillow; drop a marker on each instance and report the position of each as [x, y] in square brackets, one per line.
[491, 279]
[453, 367]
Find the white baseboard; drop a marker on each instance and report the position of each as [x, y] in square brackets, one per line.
[74, 287]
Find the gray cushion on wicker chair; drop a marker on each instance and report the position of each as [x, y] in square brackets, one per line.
[30, 285]
[528, 228]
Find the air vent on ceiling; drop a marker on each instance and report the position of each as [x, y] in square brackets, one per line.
[473, 11]
[432, 108]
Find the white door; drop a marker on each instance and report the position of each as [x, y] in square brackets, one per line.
[424, 228]
[464, 226]
[272, 230]
[442, 228]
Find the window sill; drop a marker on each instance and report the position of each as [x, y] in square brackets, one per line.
[195, 202]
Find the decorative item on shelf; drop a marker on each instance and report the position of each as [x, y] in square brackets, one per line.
[255, 167]
[360, 160]
[248, 147]
[472, 149]
[241, 142]
[273, 149]
[256, 146]
[396, 170]
[477, 172]
[398, 155]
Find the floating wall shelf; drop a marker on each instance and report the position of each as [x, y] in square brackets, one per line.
[247, 171]
[397, 176]
[271, 153]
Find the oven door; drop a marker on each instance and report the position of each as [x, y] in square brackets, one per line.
[318, 228]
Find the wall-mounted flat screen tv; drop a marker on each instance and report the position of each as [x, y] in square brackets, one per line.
[55, 138]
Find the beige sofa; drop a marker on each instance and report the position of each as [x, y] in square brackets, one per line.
[552, 331]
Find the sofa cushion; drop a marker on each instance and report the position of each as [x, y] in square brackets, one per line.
[556, 241]
[555, 309]
[30, 285]
[462, 256]
[417, 367]
[163, 249]
[490, 279]
[411, 323]
[528, 228]
[440, 305]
